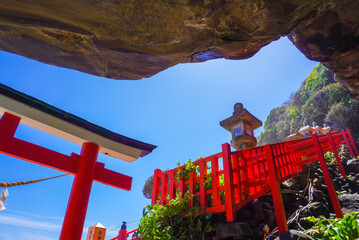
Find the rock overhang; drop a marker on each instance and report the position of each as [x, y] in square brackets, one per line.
[137, 39]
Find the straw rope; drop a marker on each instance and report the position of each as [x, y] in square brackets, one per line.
[13, 184]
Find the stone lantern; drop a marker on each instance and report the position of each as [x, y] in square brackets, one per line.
[293, 136]
[241, 124]
[306, 130]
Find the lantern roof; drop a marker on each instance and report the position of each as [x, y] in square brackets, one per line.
[45, 117]
[239, 114]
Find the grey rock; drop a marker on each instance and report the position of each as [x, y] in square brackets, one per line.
[305, 224]
[301, 181]
[349, 202]
[317, 183]
[318, 195]
[244, 214]
[353, 166]
[252, 222]
[316, 209]
[267, 206]
[269, 217]
[293, 235]
[324, 189]
[322, 179]
[256, 207]
[258, 232]
[238, 229]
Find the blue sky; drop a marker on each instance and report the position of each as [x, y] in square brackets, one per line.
[178, 110]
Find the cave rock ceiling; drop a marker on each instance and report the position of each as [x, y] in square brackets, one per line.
[133, 39]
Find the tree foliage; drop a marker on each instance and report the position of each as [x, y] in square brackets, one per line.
[176, 220]
[147, 188]
[320, 99]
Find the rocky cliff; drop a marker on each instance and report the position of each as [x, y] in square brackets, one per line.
[319, 99]
[133, 39]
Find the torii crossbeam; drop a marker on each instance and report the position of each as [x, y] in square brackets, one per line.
[16, 107]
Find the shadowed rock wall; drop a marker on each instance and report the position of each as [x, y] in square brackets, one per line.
[132, 39]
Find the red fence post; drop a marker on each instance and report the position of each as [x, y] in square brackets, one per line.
[331, 189]
[155, 186]
[123, 235]
[228, 183]
[334, 149]
[181, 185]
[202, 191]
[74, 220]
[164, 187]
[237, 179]
[347, 143]
[276, 192]
[191, 186]
[216, 200]
[172, 185]
[352, 141]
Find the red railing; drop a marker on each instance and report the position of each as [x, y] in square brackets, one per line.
[123, 235]
[235, 178]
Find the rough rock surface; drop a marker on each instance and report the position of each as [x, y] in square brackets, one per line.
[349, 202]
[333, 39]
[293, 235]
[228, 230]
[134, 39]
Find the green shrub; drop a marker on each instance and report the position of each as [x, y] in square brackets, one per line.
[337, 229]
[175, 220]
[329, 157]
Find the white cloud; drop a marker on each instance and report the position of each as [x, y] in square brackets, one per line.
[5, 236]
[22, 222]
[34, 215]
[32, 236]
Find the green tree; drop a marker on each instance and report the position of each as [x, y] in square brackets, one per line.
[147, 188]
[319, 99]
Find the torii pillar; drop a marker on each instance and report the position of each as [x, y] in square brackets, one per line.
[80, 193]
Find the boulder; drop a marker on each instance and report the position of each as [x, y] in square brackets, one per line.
[324, 188]
[317, 183]
[244, 214]
[349, 202]
[234, 230]
[353, 166]
[318, 195]
[293, 235]
[269, 217]
[256, 207]
[304, 223]
[316, 209]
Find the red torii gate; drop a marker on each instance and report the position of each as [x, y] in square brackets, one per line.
[18, 107]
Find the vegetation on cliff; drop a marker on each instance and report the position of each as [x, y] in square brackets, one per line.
[319, 99]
